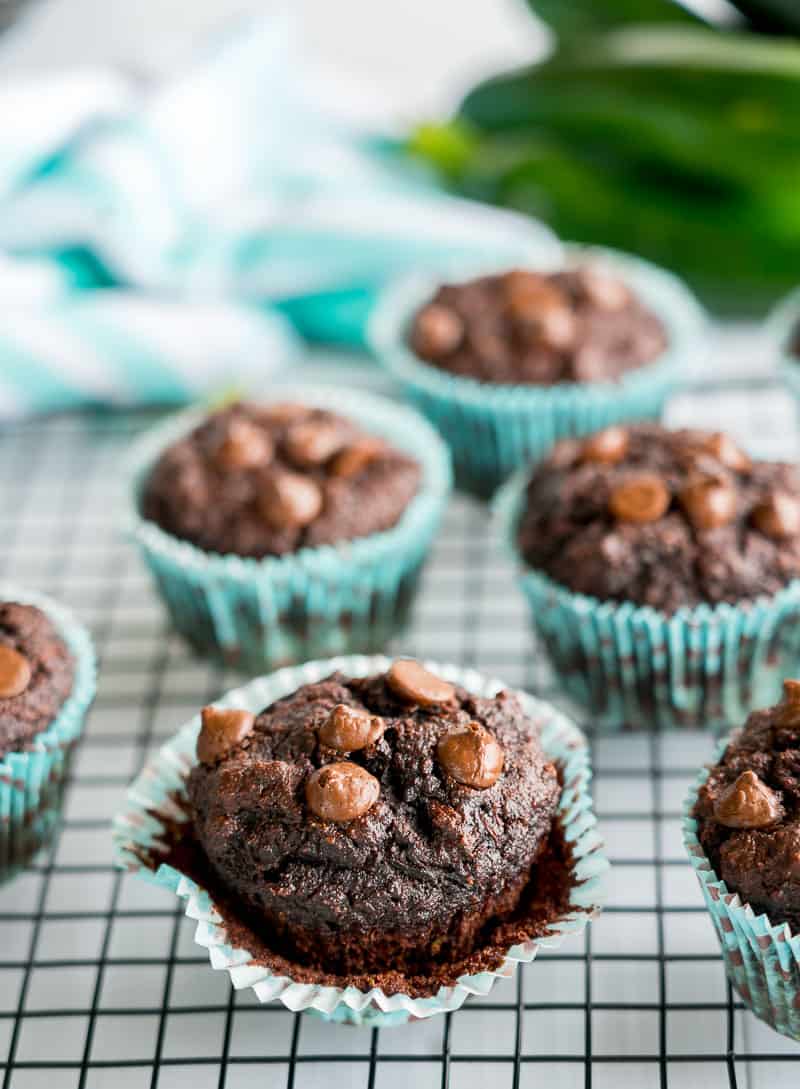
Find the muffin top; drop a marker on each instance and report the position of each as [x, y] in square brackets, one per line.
[533, 328]
[749, 811]
[386, 801]
[266, 480]
[662, 518]
[36, 673]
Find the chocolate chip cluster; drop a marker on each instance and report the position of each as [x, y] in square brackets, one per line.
[528, 327]
[260, 480]
[342, 791]
[662, 518]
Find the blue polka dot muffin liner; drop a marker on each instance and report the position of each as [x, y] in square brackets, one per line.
[31, 781]
[257, 615]
[762, 960]
[156, 795]
[493, 429]
[634, 667]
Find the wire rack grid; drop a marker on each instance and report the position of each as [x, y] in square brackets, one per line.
[101, 984]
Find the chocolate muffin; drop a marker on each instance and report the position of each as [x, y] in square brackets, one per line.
[748, 811]
[36, 675]
[662, 518]
[376, 823]
[267, 480]
[523, 327]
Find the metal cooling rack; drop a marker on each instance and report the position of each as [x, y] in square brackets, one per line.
[101, 984]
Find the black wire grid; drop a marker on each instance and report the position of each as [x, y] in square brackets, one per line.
[101, 984]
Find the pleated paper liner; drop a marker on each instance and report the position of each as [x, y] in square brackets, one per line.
[634, 667]
[493, 429]
[31, 782]
[353, 596]
[137, 833]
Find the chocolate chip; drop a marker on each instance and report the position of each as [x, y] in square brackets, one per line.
[606, 447]
[471, 756]
[725, 450]
[313, 442]
[222, 730]
[341, 792]
[542, 307]
[778, 516]
[414, 683]
[437, 331]
[244, 446]
[357, 456]
[788, 710]
[642, 498]
[289, 500]
[747, 803]
[15, 673]
[348, 729]
[603, 290]
[709, 502]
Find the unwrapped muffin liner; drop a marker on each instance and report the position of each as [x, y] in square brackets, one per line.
[31, 781]
[492, 429]
[762, 960]
[634, 667]
[137, 832]
[353, 596]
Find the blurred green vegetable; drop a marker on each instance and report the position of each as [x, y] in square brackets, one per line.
[673, 139]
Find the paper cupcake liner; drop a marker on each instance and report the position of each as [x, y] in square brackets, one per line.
[353, 596]
[31, 781]
[493, 429]
[136, 831]
[634, 667]
[762, 961]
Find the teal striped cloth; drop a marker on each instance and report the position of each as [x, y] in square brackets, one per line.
[158, 245]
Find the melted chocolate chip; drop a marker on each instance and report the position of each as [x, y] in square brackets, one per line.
[747, 803]
[725, 450]
[709, 502]
[289, 500]
[313, 442]
[778, 516]
[408, 679]
[471, 756]
[348, 729]
[603, 290]
[356, 457]
[244, 446]
[607, 447]
[15, 673]
[438, 330]
[341, 792]
[641, 498]
[222, 729]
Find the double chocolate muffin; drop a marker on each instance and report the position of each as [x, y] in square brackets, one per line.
[748, 811]
[662, 518]
[266, 480]
[374, 824]
[36, 675]
[524, 327]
